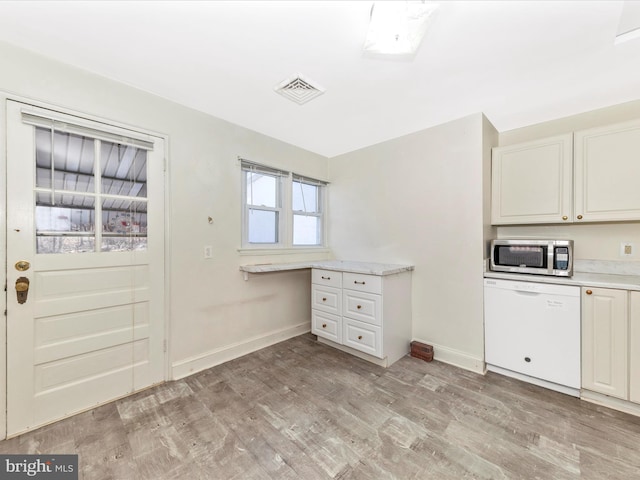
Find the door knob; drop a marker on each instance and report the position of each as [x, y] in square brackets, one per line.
[22, 289]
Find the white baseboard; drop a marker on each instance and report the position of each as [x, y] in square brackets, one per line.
[610, 402]
[456, 357]
[189, 366]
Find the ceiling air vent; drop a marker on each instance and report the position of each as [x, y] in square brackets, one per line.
[299, 89]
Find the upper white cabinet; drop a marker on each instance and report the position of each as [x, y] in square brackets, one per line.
[548, 181]
[532, 182]
[607, 172]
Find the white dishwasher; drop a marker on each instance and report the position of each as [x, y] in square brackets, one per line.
[532, 332]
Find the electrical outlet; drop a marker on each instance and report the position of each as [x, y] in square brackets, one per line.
[208, 251]
[627, 249]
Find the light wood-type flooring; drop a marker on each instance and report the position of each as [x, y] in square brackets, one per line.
[302, 410]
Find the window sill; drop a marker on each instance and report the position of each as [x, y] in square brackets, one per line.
[258, 251]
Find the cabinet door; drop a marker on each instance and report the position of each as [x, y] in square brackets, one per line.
[607, 169]
[634, 352]
[532, 182]
[604, 341]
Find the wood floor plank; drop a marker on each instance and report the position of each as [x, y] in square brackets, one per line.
[303, 410]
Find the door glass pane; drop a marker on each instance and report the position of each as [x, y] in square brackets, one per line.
[124, 225]
[262, 189]
[263, 226]
[73, 161]
[67, 226]
[124, 170]
[306, 230]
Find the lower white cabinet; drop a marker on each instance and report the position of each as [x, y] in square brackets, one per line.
[611, 342]
[634, 347]
[605, 325]
[363, 313]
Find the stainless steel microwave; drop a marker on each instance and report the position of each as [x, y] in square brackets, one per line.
[541, 257]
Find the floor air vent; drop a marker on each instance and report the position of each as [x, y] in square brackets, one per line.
[299, 89]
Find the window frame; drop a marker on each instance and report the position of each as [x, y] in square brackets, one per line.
[247, 208]
[318, 213]
[285, 222]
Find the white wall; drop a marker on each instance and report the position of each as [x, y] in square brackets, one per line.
[419, 199]
[215, 315]
[600, 241]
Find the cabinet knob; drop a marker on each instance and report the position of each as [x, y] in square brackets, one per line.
[588, 292]
[324, 299]
[359, 337]
[527, 359]
[564, 217]
[324, 325]
[579, 217]
[359, 307]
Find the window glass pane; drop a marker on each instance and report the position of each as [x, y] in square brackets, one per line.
[67, 226]
[305, 197]
[73, 161]
[263, 226]
[71, 213]
[306, 230]
[124, 170]
[262, 189]
[124, 226]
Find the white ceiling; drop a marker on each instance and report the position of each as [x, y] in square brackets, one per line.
[519, 62]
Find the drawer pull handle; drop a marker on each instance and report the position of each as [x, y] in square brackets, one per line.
[324, 325]
[359, 337]
[326, 278]
[359, 283]
[588, 292]
[359, 307]
[324, 299]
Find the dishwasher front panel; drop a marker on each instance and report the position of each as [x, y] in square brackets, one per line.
[533, 329]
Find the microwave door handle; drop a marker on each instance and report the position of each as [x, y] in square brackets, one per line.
[551, 251]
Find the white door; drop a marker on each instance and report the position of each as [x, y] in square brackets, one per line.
[85, 230]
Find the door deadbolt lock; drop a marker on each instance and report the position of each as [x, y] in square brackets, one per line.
[22, 266]
[22, 289]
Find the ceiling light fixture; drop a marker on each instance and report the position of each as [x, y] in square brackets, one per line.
[397, 28]
[629, 26]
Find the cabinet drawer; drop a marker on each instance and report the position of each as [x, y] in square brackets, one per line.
[366, 307]
[362, 283]
[327, 299]
[326, 325]
[326, 277]
[362, 336]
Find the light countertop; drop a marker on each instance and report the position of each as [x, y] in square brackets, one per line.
[587, 273]
[369, 268]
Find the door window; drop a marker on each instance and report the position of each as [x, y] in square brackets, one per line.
[80, 179]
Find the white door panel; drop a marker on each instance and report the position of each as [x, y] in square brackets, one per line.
[87, 212]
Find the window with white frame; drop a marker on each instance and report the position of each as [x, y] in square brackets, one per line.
[306, 204]
[262, 193]
[281, 209]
